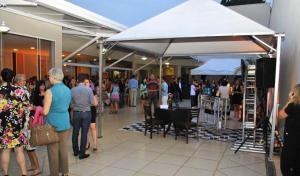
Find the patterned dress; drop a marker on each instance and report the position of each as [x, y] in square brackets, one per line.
[14, 115]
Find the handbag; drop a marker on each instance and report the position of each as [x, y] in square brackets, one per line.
[42, 134]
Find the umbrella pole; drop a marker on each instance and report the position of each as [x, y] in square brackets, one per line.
[160, 78]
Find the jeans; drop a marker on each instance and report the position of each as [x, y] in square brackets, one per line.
[152, 98]
[81, 120]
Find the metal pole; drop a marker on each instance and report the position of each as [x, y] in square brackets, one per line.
[119, 60]
[160, 77]
[100, 118]
[276, 89]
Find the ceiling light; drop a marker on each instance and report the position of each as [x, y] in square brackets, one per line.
[65, 65]
[104, 50]
[4, 28]
[32, 48]
[109, 58]
[144, 58]
[167, 63]
[69, 60]
[78, 54]
[63, 55]
[95, 60]
[15, 50]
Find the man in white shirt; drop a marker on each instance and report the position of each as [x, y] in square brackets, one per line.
[193, 94]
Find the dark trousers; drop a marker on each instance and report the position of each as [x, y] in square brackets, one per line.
[152, 98]
[176, 97]
[290, 158]
[82, 120]
[193, 100]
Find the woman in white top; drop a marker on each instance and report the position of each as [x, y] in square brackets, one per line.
[224, 90]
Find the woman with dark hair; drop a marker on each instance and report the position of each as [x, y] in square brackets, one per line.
[290, 154]
[39, 94]
[114, 97]
[237, 99]
[14, 115]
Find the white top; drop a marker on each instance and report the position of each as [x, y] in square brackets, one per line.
[193, 90]
[224, 91]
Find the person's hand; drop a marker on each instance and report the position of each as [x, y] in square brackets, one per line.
[291, 96]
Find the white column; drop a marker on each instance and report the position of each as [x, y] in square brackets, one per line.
[275, 101]
[100, 118]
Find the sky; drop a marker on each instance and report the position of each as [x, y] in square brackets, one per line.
[127, 12]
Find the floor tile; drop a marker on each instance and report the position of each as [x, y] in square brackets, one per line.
[111, 171]
[160, 169]
[172, 159]
[130, 164]
[143, 155]
[186, 171]
[84, 168]
[260, 168]
[201, 164]
[238, 171]
[206, 154]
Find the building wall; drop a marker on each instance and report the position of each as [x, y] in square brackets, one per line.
[35, 28]
[257, 12]
[284, 20]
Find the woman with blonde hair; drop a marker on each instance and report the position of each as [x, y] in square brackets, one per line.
[56, 103]
[290, 155]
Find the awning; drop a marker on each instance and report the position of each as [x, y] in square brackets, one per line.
[196, 27]
[219, 67]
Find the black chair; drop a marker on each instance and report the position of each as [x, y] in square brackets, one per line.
[182, 122]
[151, 122]
[195, 115]
[163, 117]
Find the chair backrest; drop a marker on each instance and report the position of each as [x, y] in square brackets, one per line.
[163, 114]
[181, 118]
[195, 113]
[147, 112]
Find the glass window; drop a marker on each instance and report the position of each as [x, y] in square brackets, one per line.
[26, 55]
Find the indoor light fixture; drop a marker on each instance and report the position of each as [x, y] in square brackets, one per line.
[15, 50]
[104, 50]
[69, 60]
[167, 63]
[4, 28]
[65, 65]
[95, 60]
[32, 48]
[144, 58]
[78, 54]
[63, 55]
[109, 58]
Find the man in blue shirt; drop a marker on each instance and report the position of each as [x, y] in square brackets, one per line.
[82, 100]
[133, 86]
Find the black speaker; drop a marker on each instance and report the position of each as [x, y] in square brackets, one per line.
[265, 72]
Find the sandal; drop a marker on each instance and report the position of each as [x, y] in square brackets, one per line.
[88, 147]
[36, 174]
[95, 149]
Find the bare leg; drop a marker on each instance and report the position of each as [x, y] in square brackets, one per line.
[116, 107]
[5, 158]
[93, 130]
[34, 161]
[21, 159]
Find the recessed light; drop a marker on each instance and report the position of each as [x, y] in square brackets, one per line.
[144, 58]
[15, 50]
[69, 60]
[32, 48]
[95, 60]
[109, 58]
[65, 65]
[167, 63]
[78, 54]
[63, 55]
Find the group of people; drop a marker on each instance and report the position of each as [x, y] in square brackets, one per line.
[223, 89]
[61, 106]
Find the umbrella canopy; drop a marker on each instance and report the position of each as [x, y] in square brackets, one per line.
[219, 67]
[196, 27]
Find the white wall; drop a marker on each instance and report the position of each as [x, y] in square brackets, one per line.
[285, 18]
[35, 28]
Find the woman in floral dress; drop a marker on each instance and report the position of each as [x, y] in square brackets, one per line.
[14, 115]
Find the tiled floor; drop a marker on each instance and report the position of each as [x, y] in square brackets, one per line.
[123, 153]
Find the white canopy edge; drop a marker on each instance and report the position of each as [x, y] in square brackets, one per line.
[222, 66]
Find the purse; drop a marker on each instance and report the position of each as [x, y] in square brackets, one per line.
[42, 134]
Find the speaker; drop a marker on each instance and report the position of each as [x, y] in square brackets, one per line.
[265, 72]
